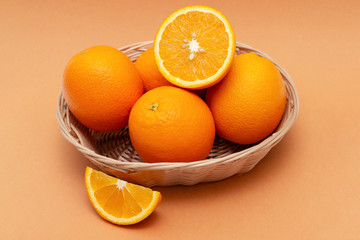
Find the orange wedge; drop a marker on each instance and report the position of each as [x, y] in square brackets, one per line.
[118, 201]
[194, 47]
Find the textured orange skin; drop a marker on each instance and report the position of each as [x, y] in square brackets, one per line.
[100, 86]
[150, 74]
[249, 102]
[152, 77]
[181, 129]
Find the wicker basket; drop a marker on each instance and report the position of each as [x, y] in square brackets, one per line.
[113, 153]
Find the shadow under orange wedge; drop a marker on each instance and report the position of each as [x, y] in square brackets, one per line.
[118, 201]
[194, 47]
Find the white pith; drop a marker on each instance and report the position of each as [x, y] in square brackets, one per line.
[120, 184]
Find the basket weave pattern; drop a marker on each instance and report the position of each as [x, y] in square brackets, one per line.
[113, 153]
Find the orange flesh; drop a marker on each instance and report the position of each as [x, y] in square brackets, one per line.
[175, 50]
[110, 195]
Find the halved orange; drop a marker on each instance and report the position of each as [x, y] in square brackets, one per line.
[194, 47]
[118, 201]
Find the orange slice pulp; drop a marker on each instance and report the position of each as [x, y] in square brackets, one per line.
[118, 201]
[194, 47]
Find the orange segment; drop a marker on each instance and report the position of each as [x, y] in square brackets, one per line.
[194, 47]
[118, 201]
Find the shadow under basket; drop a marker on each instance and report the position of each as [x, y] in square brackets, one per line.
[113, 153]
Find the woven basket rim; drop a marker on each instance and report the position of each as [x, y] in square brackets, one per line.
[128, 166]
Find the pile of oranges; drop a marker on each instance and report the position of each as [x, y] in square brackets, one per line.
[181, 92]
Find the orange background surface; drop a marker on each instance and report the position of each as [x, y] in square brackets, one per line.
[307, 187]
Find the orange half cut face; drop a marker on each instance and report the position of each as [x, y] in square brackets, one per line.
[194, 47]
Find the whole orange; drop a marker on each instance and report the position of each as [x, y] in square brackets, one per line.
[100, 86]
[170, 124]
[249, 102]
[151, 76]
